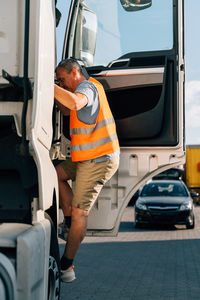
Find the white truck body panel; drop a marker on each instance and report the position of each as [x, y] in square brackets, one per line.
[29, 269]
[41, 68]
[136, 167]
[43, 40]
[11, 37]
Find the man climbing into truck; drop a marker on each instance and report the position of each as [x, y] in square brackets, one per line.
[94, 153]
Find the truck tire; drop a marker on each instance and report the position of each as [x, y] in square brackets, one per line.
[54, 265]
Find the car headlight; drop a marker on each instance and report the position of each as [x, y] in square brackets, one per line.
[141, 206]
[186, 206]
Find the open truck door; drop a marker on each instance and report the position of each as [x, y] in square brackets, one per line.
[135, 49]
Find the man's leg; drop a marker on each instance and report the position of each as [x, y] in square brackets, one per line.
[77, 232]
[75, 236]
[90, 178]
[65, 191]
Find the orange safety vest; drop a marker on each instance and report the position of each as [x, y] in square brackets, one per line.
[95, 140]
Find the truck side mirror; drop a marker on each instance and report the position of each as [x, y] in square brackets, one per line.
[58, 17]
[86, 33]
[134, 5]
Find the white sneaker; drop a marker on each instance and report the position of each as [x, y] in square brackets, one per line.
[63, 231]
[68, 275]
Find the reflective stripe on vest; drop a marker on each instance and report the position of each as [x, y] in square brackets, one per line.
[96, 144]
[89, 141]
[91, 130]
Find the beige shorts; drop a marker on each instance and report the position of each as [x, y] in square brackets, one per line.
[89, 178]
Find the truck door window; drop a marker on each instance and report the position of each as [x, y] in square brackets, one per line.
[121, 31]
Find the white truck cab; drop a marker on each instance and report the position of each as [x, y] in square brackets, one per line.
[135, 48]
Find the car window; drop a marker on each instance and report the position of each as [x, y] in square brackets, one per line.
[164, 189]
[169, 174]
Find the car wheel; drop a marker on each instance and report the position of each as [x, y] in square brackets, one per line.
[138, 225]
[190, 222]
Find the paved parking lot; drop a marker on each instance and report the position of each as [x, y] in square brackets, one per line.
[139, 264]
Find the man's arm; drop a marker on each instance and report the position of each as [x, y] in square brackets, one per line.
[64, 110]
[73, 101]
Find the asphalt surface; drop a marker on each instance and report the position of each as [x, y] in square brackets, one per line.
[155, 263]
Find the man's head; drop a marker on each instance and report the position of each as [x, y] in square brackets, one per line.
[69, 74]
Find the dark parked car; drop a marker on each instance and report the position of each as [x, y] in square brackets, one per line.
[165, 202]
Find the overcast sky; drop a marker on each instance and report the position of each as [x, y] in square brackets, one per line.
[192, 59]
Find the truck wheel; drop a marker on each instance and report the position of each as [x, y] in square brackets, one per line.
[54, 266]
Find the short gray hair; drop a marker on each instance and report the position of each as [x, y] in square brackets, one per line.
[69, 64]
